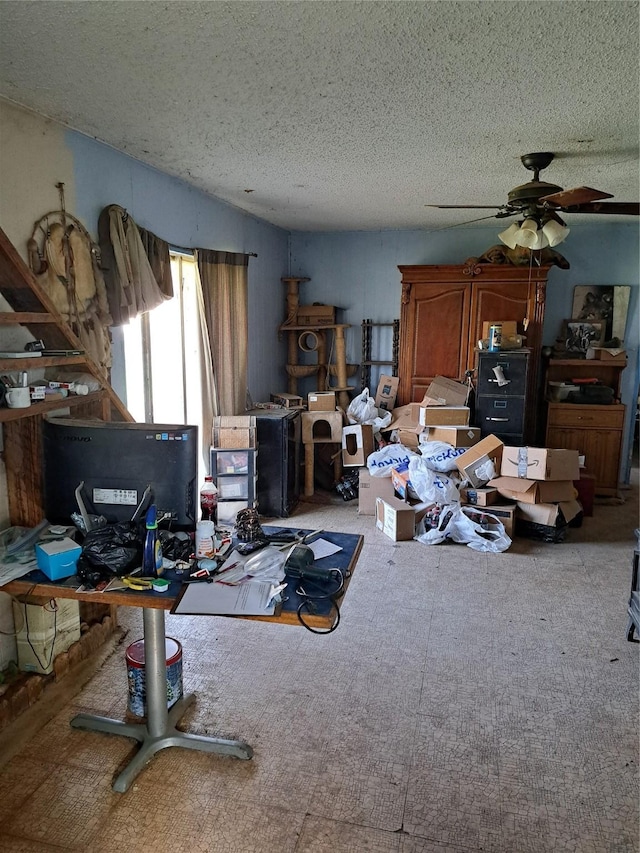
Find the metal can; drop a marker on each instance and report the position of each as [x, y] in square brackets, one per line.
[495, 337]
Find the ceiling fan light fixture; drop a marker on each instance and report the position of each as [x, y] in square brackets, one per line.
[508, 236]
[527, 236]
[555, 231]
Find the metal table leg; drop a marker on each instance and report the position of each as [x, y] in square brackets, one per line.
[159, 731]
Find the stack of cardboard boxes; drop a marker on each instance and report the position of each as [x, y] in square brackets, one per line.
[519, 485]
[540, 480]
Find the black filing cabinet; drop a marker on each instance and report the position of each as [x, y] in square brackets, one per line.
[502, 407]
[278, 463]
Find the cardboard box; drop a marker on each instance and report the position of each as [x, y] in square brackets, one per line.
[445, 392]
[316, 315]
[549, 514]
[540, 463]
[506, 513]
[369, 489]
[617, 356]
[58, 559]
[321, 401]
[509, 328]
[534, 491]
[321, 427]
[405, 417]
[230, 431]
[387, 392]
[289, 401]
[444, 415]
[473, 459]
[482, 496]
[401, 483]
[397, 519]
[357, 444]
[456, 436]
[410, 437]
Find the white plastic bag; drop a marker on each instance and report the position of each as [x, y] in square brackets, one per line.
[439, 455]
[362, 409]
[467, 525]
[432, 486]
[381, 461]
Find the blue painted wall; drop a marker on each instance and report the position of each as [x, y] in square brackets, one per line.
[189, 218]
[358, 271]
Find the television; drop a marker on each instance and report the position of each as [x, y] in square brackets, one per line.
[124, 467]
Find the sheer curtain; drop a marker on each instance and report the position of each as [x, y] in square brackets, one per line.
[223, 277]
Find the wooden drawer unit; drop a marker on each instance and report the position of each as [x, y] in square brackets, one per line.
[576, 415]
[596, 433]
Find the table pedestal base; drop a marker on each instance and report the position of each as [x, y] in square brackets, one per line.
[159, 731]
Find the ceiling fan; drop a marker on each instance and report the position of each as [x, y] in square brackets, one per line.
[539, 203]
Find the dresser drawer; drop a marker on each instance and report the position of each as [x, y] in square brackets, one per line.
[575, 415]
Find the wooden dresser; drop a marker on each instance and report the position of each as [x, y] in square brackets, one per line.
[595, 431]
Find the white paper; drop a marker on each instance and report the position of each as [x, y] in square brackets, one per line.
[323, 548]
[216, 599]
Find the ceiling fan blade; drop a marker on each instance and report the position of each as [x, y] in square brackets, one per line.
[458, 224]
[619, 208]
[577, 195]
[466, 206]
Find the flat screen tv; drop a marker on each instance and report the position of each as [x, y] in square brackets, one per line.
[118, 463]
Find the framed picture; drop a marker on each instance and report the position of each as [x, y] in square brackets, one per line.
[578, 335]
[602, 303]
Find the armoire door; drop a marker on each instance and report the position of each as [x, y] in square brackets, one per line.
[437, 337]
[443, 308]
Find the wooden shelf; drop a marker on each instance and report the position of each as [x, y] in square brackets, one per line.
[44, 406]
[7, 365]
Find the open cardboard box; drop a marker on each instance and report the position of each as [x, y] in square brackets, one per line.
[475, 458]
[445, 392]
[549, 514]
[357, 444]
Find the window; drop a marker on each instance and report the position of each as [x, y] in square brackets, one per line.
[162, 355]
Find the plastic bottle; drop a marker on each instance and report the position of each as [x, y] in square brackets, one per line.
[152, 554]
[205, 540]
[209, 500]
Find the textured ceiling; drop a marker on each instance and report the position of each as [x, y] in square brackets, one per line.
[341, 115]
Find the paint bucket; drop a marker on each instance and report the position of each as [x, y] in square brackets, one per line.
[136, 675]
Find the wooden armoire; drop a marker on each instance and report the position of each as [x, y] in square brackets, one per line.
[443, 308]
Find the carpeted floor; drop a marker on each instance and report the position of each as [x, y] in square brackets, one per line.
[467, 702]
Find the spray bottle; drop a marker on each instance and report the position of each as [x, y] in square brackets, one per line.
[152, 554]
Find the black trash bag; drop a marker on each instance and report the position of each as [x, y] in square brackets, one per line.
[115, 549]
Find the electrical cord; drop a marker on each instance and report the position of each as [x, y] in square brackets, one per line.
[307, 604]
[52, 609]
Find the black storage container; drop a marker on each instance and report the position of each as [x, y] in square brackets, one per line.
[278, 461]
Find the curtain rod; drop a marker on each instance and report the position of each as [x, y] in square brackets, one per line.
[186, 251]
